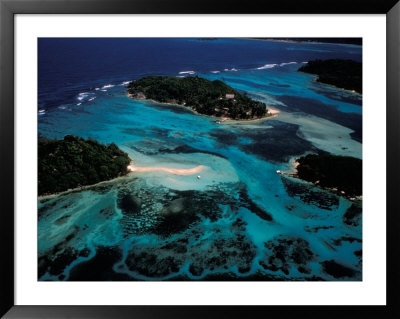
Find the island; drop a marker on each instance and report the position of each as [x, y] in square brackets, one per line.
[348, 41]
[214, 98]
[345, 74]
[342, 174]
[76, 162]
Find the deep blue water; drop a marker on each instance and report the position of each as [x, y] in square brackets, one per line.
[68, 66]
[240, 220]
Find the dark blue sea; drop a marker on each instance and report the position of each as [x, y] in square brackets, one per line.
[69, 66]
[236, 219]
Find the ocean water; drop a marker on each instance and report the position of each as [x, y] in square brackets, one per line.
[239, 221]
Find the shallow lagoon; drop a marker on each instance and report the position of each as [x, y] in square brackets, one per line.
[239, 221]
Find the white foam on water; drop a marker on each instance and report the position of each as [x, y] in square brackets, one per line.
[286, 63]
[97, 89]
[82, 96]
[187, 72]
[107, 86]
[42, 111]
[125, 82]
[78, 103]
[103, 90]
[85, 96]
[267, 66]
[215, 72]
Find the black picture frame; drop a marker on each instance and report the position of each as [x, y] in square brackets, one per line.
[9, 8]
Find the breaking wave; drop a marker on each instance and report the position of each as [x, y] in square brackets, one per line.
[187, 72]
[267, 66]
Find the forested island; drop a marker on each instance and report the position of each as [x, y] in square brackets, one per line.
[75, 161]
[201, 95]
[346, 74]
[342, 173]
[352, 41]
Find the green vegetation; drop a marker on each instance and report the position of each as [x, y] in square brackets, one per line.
[203, 96]
[75, 161]
[346, 74]
[332, 171]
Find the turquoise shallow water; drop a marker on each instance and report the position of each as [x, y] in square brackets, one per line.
[240, 220]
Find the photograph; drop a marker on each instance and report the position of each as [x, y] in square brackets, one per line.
[199, 159]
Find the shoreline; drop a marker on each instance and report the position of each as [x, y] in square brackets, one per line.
[83, 187]
[303, 42]
[292, 172]
[333, 190]
[131, 169]
[354, 92]
[270, 112]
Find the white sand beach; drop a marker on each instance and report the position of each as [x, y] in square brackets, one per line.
[176, 171]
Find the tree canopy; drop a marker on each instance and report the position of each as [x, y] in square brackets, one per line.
[332, 171]
[202, 95]
[346, 74]
[75, 161]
